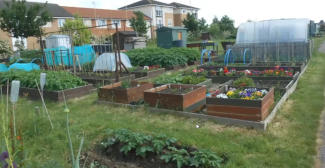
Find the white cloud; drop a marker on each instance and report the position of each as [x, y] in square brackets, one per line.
[239, 10]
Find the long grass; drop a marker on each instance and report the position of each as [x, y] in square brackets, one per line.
[289, 142]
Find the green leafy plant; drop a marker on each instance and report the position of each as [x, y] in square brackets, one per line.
[55, 80]
[167, 149]
[163, 57]
[180, 156]
[244, 82]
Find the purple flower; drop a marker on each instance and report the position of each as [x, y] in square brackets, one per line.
[3, 157]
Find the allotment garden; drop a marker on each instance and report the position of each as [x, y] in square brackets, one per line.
[173, 108]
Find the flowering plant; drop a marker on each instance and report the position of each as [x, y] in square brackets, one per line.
[245, 94]
[276, 71]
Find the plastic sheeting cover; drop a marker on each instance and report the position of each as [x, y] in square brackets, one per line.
[3, 68]
[273, 31]
[106, 62]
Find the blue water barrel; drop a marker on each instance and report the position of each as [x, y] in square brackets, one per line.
[178, 43]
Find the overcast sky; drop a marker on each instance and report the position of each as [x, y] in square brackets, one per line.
[239, 10]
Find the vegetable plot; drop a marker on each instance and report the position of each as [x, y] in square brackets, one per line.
[55, 80]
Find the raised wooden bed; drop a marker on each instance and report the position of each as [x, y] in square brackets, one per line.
[222, 79]
[149, 74]
[34, 94]
[104, 80]
[297, 68]
[193, 100]
[176, 67]
[252, 110]
[115, 93]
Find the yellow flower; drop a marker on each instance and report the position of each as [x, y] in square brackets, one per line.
[246, 98]
[258, 93]
[230, 93]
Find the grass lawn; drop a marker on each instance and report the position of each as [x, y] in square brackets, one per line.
[290, 140]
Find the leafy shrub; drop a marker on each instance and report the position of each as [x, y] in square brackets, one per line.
[169, 150]
[30, 54]
[163, 57]
[244, 82]
[5, 50]
[55, 80]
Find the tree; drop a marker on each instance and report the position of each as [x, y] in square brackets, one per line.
[191, 23]
[321, 25]
[21, 21]
[5, 50]
[80, 33]
[203, 26]
[226, 24]
[139, 24]
[214, 30]
[215, 20]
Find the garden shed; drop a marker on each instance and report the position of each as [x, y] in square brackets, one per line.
[168, 37]
[281, 40]
[123, 35]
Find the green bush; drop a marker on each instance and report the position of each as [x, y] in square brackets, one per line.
[244, 82]
[163, 57]
[30, 54]
[5, 50]
[55, 80]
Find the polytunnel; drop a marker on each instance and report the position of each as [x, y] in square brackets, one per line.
[282, 40]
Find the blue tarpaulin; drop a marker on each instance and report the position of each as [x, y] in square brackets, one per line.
[63, 55]
[24, 66]
[3, 68]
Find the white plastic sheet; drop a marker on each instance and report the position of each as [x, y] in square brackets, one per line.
[274, 31]
[106, 62]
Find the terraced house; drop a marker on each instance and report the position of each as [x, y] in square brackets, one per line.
[99, 19]
[59, 16]
[162, 14]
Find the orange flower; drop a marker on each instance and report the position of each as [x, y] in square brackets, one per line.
[18, 138]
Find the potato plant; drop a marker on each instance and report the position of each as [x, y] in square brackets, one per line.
[55, 80]
[167, 149]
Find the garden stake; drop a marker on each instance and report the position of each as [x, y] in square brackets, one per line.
[14, 94]
[44, 105]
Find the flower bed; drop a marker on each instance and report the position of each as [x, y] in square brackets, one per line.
[224, 74]
[242, 67]
[176, 97]
[120, 93]
[246, 104]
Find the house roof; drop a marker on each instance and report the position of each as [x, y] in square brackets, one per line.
[101, 13]
[179, 5]
[54, 9]
[145, 2]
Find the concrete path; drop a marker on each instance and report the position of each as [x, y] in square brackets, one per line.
[320, 162]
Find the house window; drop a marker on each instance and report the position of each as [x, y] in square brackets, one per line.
[61, 22]
[160, 23]
[170, 22]
[184, 11]
[48, 24]
[87, 22]
[159, 12]
[128, 23]
[101, 23]
[118, 22]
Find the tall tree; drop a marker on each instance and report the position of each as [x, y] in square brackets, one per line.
[191, 23]
[80, 34]
[215, 20]
[21, 21]
[214, 30]
[226, 24]
[139, 24]
[203, 26]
